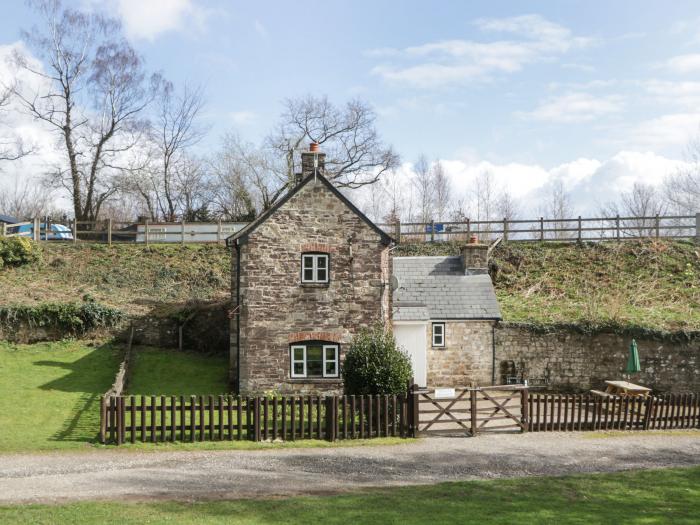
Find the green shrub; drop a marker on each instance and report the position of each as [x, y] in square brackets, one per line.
[15, 251]
[374, 364]
[70, 318]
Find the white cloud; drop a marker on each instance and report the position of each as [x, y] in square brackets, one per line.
[146, 19]
[575, 107]
[590, 182]
[685, 93]
[455, 61]
[243, 118]
[684, 64]
[674, 129]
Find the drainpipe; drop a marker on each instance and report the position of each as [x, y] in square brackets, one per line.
[238, 318]
[493, 353]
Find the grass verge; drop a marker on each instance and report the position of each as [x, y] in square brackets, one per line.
[637, 497]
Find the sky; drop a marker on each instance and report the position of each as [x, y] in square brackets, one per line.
[595, 94]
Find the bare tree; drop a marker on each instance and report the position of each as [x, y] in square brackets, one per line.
[507, 206]
[424, 188]
[557, 206]
[355, 155]
[682, 189]
[194, 189]
[175, 131]
[485, 199]
[11, 147]
[26, 200]
[442, 190]
[638, 209]
[93, 92]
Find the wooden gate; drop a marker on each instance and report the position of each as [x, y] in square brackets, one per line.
[469, 411]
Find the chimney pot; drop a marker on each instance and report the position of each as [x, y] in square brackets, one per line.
[312, 161]
[313, 147]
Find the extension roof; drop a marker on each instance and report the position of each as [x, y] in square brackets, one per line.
[247, 230]
[437, 288]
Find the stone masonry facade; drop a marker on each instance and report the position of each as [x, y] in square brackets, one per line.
[466, 357]
[276, 309]
[571, 361]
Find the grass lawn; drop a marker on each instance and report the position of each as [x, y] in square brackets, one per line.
[50, 393]
[157, 371]
[638, 497]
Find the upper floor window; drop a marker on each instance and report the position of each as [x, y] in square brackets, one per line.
[314, 268]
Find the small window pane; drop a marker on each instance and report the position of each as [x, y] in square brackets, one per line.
[298, 354]
[308, 261]
[331, 368]
[330, 354]
[314, 361]
[308, 275]
[321, 276]
[322, 260]
[298, 368]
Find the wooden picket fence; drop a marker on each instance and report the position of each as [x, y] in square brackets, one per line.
[581, 412]
[216, 418]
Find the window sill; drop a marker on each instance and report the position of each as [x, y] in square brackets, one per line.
[315, 379]
[315, 285]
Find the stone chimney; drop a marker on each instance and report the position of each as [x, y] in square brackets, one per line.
[312, 161]
[474, 257]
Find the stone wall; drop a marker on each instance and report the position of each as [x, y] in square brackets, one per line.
[571, 361]
[274, 303]
[465, 358]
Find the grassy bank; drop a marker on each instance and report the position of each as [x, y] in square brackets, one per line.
[635, 284]
[642, 497]
[134, 279]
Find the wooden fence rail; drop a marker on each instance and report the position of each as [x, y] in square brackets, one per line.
[580, 412]
[224, 417]
[575, 229]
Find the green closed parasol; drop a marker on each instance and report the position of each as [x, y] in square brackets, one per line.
[633, 366]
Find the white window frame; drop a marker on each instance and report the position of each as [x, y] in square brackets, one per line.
[442, 334]
[303, 347]
[314, 268]
[335, 360]
[294, 361]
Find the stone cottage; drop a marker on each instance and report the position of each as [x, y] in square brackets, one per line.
[310, 272]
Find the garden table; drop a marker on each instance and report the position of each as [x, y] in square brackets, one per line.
[626, 389]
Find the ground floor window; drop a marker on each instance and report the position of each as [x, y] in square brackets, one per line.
[314, 360]
[438, 334]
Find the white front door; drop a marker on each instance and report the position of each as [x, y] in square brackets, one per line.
[412, 337]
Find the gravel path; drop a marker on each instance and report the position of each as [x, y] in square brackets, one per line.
[120, 474]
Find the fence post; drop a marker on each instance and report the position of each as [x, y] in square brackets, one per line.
[218, 230]
[657, 225]
[414, 411]
[524, 409]
[472, 411]
[542, 228]
[697, 228]
[36, 227]
[432, 230]
[330, 418]
[75, 230]
[647, 412]
[182, 230]
[4, 229]
[103, 419]
[397, 231]
[505, 229]
[256, 416]
[146, 232]
[469, 227]
[109, 231]
[617, 227]
[579, 228]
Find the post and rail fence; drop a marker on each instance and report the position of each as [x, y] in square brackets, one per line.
[577, 229]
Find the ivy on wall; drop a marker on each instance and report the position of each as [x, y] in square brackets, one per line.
[69, 318]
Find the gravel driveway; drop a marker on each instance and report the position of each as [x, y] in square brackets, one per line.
[120, 474]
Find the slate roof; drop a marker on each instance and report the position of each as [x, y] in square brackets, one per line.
[437, 286]
[8, 219]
